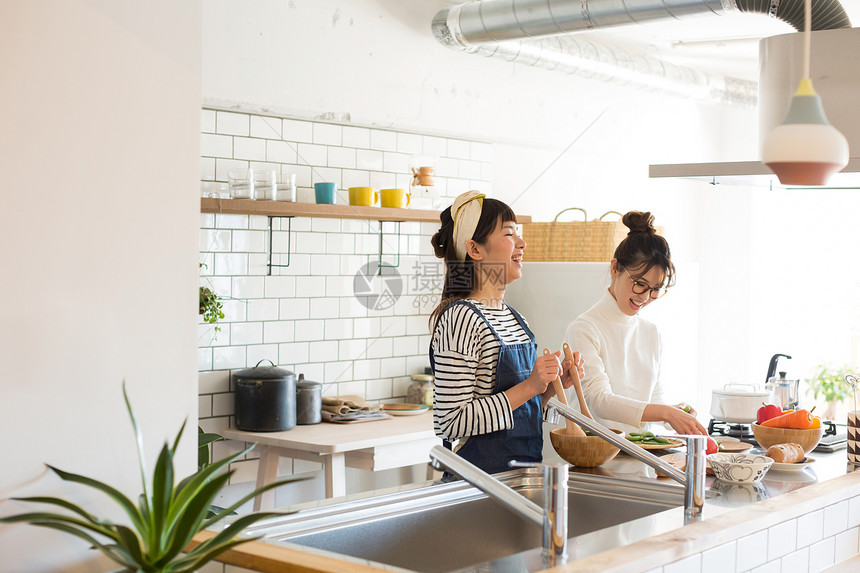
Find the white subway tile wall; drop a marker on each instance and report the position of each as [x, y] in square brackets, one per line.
[308, 317]
[346, 155]
[807, 544]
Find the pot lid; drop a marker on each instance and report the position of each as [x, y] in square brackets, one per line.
[303, 384]
[264, 372]
[740, 390]
[782, 380]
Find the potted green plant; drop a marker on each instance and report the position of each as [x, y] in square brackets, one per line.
[165, 519]
[204, 441]
[831, 385]
[211, 308]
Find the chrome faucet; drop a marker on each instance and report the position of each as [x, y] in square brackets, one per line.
[552, 518]
[771, 367]
[693, 478]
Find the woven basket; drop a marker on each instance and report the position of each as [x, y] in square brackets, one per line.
[593, 241]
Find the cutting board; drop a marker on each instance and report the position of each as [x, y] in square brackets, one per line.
[679, 460]
[733, 447]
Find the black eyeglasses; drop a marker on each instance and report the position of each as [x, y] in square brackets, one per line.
[640, 287]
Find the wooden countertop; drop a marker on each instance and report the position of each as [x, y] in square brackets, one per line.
[328, 438]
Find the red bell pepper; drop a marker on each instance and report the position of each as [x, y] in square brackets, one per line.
[766, 412]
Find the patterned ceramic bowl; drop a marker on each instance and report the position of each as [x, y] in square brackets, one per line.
[740, 494]
[739, 468]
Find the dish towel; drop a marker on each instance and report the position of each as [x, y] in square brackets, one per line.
[349, 407]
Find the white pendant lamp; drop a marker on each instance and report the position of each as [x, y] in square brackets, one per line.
[805, 149]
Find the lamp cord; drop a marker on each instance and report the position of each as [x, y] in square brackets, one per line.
[807, 43]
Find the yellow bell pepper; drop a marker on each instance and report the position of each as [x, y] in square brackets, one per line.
[816, 422]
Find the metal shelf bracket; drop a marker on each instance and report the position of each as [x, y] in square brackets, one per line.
[269, 264]
[380, 264]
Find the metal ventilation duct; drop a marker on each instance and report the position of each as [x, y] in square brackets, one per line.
[530, 32]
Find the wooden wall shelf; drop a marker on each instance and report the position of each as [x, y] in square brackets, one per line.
[286, 209]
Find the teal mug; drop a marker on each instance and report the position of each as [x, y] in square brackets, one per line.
[325, 193]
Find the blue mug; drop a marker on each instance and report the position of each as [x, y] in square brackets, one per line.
[325, 193]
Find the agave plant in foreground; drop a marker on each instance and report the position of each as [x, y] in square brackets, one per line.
[165, 519]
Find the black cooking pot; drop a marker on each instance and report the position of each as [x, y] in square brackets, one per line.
[265, 398]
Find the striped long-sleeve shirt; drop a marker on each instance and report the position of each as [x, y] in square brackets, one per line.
[466, 353]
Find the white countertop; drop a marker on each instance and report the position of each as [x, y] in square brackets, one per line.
[738, 511]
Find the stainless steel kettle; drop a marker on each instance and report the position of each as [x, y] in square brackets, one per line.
[784, 392]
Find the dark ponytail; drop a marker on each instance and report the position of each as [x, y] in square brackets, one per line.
[643, 248]
[460, 280]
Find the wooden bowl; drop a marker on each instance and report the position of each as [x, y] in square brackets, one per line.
[767, 437]
[583, 451]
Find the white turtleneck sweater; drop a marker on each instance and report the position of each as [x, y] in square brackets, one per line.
[622, 363]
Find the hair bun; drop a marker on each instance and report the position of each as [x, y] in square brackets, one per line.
[440, 244]
[639, 222]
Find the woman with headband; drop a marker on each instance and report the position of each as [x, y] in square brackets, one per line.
[621, 349]
[491, 383]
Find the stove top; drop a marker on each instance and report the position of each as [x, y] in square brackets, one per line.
[744, 432]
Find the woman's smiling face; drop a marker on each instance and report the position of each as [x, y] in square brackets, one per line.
[501, 256]
[623, 281]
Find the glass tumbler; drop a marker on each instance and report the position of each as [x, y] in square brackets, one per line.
[241, 184]
[265, 181]
[286, 189]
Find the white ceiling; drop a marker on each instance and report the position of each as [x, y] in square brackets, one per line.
[725, 44]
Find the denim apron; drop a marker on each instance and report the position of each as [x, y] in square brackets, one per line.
[524, 441]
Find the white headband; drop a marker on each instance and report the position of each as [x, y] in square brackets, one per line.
[465, 211]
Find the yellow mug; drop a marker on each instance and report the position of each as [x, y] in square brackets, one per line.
[395, 198]
[363, 196]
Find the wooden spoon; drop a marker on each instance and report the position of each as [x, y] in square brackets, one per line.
[572, 428]
[577, 384]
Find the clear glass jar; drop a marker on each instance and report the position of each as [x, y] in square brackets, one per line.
[421, 390]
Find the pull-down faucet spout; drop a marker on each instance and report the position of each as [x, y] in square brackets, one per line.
[552, 517]
[693, 479]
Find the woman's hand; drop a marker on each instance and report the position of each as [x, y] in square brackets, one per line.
[546, 369]
[686, 408]
[566, 378]
[681, 422]
[684, 423]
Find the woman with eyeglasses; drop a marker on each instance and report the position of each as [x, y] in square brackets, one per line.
[620, 349]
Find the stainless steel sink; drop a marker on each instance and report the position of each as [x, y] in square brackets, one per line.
[448, 527]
